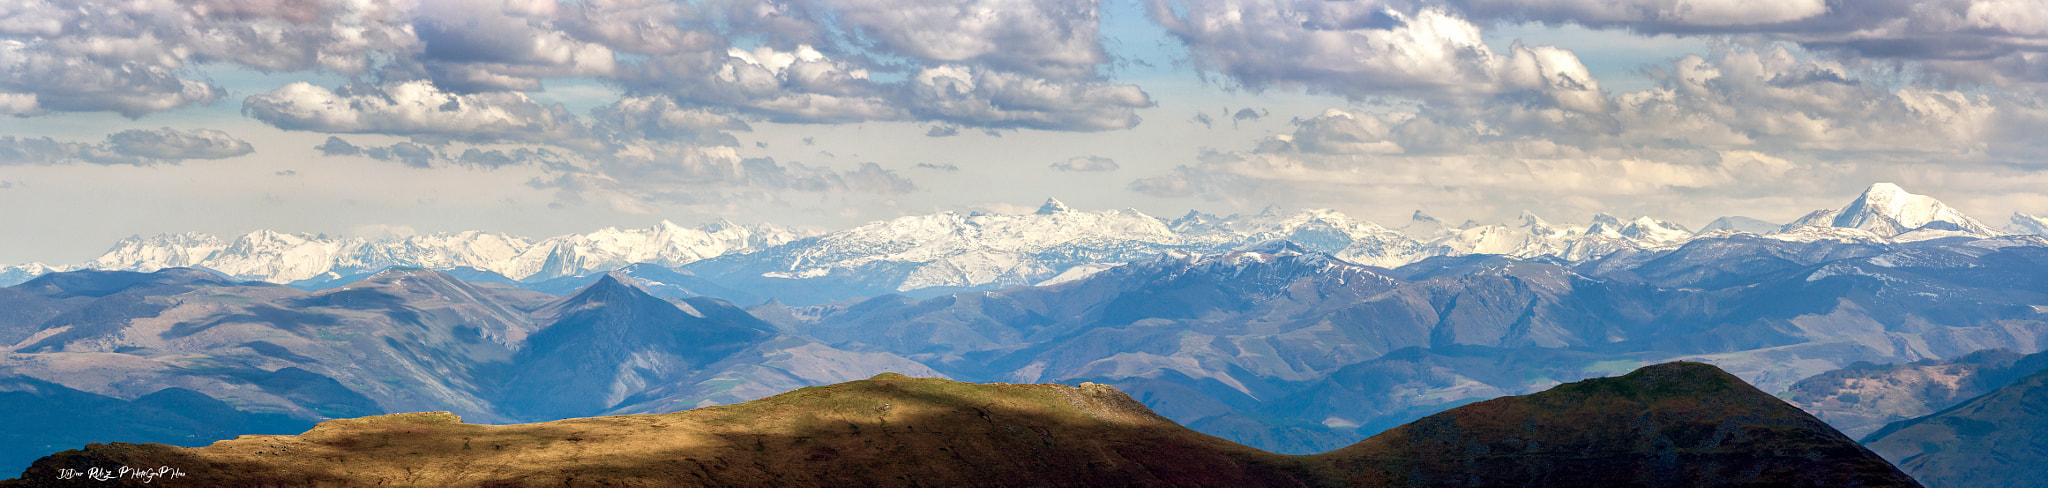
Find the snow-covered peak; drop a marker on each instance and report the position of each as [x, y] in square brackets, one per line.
[1741, 224]
[2028, 224]
[1886, 209]
[1654, 233]
[148, 254]
[18, 274]
[285, 258]
[1053, 206]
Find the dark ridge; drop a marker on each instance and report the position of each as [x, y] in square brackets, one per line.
[1675, 424]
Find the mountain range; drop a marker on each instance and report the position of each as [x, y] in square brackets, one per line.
[1276, 343]
[929, 255]
[1678, 424]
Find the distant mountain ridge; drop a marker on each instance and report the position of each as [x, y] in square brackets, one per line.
[281, 258]
[948, 251]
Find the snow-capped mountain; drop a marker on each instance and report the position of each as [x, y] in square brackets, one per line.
[1741, 224]
[276, 257]
[951, 250]
[13, 274]
[2028, 224]
[1887, 210]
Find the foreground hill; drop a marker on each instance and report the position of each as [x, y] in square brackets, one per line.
[1676, 424]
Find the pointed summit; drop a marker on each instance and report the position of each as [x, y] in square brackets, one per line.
[1888, 210]
[1741, 224]
[1053, 206]
[1423, 218]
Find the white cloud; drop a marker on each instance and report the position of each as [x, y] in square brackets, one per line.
[136, 147]
[414, 108]
[988, 98]
[1044, 38]
[1743, 123]
[1712, 13]
[172, 144]
[132, 57]
[1086, 163]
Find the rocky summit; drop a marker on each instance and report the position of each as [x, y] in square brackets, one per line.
[1674, 424]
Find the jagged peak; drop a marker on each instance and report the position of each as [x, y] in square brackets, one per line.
[1053, 206]
[1605, 218]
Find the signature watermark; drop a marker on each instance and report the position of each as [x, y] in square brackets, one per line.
[145, 475]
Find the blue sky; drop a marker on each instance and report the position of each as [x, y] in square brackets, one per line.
[538, 118]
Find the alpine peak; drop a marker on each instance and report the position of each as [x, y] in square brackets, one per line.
[1053, 206]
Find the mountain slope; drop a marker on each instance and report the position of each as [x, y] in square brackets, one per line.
[896, 430]
[45, 417]
[1864, 397]
[1673, 424]
[612, 340]
[1998, 439]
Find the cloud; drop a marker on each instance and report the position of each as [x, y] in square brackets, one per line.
[425, 156]
[1349, 48]
[287, 173]
[1668, 13]
[799, 85]
[1743, 123]
[1204, 119]
[1042, 38]
[1363, 49]
[661, 118]
[486, 45]
[134, 58]
[414, 108]
[701, 176]
[1085, 163]
[943, 130]
[171, 144]
[946, 167]
[1993, 42]
[131, 148]
[999, 99]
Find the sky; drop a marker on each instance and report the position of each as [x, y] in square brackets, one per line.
[545, 117]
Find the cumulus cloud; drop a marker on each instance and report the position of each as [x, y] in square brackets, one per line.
[1365, 49]
[1086, 163]
[133, 57]
[1996, 42]
[414, 108]
[1042, 38]
[172, 144]
[1740, 123]
[1355, 49]
[1669, 13]
[131, 147]
[946, 167]
[692, 175]
[999, 99]
[943, 130]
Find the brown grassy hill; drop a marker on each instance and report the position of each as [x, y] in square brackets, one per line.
[1700, 425]
[1672, 424]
